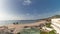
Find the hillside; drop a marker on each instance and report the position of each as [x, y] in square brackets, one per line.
[49, 18]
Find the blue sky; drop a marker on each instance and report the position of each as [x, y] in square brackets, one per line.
[28, 9]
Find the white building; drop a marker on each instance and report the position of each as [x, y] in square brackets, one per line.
[47, 29]
[56, 24]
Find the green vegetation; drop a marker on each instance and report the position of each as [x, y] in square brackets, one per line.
[18, 33]
[56, 16]
[43, 32]
[51, 32]
[48, 25]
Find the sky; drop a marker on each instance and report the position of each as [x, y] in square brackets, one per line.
[28, 9]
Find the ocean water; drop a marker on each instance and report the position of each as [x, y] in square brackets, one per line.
[15, 21]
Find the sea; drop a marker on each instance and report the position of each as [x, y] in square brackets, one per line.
[6, 22]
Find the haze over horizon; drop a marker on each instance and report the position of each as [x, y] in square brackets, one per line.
[28, 9]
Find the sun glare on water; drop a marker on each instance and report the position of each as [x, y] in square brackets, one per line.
[3, 16]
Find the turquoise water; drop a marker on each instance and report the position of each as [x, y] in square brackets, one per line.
[15, 21]
[30, 31]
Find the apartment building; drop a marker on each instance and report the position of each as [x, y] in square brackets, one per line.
[56, 24]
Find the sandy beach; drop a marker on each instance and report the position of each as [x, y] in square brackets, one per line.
[19, 27]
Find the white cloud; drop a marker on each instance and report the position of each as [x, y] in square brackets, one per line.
[27, 2]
